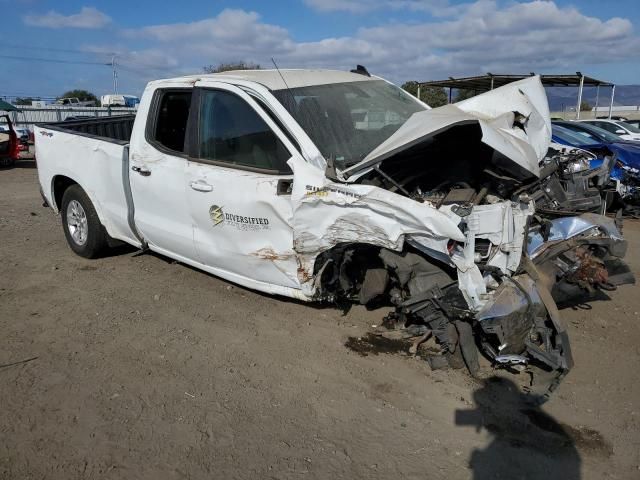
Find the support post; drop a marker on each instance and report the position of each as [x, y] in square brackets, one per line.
[418, 93]
[595, 115]
[579, 97]
[450, 89]
[613, 94]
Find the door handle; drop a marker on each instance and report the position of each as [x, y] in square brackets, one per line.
[201, 186]
[142, 171]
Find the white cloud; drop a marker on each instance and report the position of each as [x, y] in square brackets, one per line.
[484, 36]
[439, 8]
[89, 17]
[353, 6]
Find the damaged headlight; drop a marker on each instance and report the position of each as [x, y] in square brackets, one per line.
[576, 166]
[630, 171]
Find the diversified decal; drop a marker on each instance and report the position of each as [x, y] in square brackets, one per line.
[241, 222]
[324, 191]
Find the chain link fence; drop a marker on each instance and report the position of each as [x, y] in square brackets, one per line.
[28, 116]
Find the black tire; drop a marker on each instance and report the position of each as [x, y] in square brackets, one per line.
[88, 239]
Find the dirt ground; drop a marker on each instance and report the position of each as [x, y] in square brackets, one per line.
[137, 367]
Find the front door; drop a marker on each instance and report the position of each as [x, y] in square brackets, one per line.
[238, 189]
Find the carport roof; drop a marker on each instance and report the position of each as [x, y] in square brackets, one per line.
[487, 82]
[6, 107]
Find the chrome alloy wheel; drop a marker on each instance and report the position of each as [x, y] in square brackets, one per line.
[77, 222]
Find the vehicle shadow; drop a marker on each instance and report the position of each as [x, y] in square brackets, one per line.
[527, 443]
[26, 163]
[118, 250]
[585, 302]
[21, 163]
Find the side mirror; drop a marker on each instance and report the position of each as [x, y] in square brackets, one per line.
[620, 132]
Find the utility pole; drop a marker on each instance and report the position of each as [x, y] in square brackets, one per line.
[580, 88]
[115, 74]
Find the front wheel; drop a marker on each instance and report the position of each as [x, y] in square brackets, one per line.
[82, 228]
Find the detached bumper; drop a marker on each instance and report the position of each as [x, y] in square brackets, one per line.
[531, 333]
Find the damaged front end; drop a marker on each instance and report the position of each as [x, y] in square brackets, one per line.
[518, 326]
[438, 222]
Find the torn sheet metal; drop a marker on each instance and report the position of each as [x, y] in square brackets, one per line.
[566, 228]
[326, 214]
[514, 120]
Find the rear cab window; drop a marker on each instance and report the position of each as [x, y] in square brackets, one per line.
[168, 126]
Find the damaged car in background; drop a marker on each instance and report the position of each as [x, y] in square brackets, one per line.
[621, 158]
[340, 187]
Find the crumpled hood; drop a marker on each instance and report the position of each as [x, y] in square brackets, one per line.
[495, 111]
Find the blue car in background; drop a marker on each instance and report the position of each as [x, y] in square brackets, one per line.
[591, 138]
[625, 171]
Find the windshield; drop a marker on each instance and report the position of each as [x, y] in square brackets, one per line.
[346, 121]
[629, 127]
[574, 139]
[592, 131]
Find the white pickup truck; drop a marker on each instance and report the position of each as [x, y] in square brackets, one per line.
[341, 187]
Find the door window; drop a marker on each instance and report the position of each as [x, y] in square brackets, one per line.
[232, 132]
[171, 121]
[609, 127]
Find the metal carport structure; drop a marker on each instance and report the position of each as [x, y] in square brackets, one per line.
[484, 83]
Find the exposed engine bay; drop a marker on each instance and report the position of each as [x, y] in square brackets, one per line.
[453, 233]
[569, 184]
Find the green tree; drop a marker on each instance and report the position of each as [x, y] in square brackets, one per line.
[225, 67]
[585, 106]
[24, 100]
[82, 95]
[432, 96]
[463, 94]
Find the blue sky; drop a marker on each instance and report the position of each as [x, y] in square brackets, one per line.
[398, 39]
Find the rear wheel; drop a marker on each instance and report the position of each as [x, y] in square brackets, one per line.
[82, 228]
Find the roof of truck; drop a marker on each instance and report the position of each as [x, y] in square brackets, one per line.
[272, 79]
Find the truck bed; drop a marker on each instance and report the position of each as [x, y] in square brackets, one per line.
[94, 154]
[112, 129]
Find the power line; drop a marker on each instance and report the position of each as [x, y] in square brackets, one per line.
[86, 52]
[53, 49]
[52, 60]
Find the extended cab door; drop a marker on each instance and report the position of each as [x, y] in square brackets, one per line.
[157, 173]
[238, 189]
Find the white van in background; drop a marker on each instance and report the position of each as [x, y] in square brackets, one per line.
[119, 101]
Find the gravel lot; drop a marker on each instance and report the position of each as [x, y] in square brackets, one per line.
[138, 367]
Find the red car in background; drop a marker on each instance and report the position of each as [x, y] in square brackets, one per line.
[9, 144]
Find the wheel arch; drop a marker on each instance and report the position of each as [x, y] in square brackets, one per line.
[60, 183]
